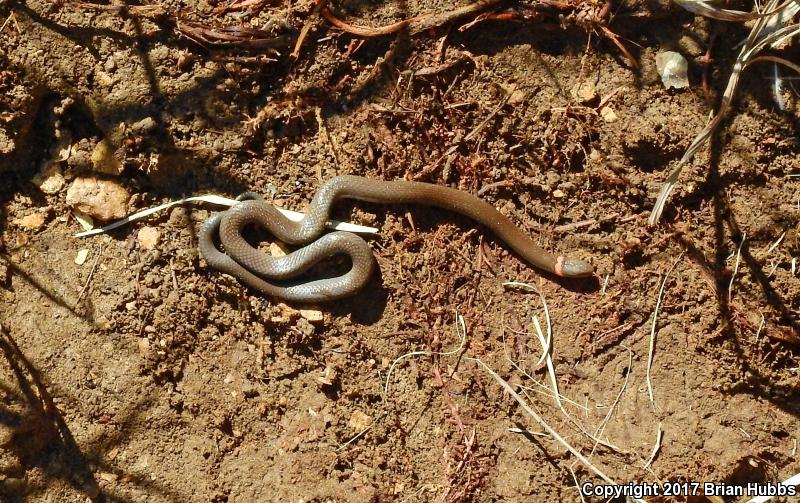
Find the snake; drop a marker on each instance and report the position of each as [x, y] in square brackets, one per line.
[273, 275]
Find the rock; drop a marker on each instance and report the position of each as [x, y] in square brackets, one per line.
[608, 114]
[515, 96]
[108, 476]
[85, 220]
[558, 194]
[690, 46]
[278, 249]
[147, 237]
[4, 275]
[178, 217]
[101, 199]
[673, 68]
[144, 126]
[312, 315]
[50, 180]
[328, 376]
[288, 313]
[32, 222]
[359, 421]
[104, 160]
[585, 93]
[144, 347]
[81, 257]
[6, 435]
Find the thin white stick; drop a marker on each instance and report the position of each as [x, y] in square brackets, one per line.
[760, 326]
[651, 349]
[548, 392]
[656, 447]
[221, 201]
[528, 432]
[577, 484]
[776, 243]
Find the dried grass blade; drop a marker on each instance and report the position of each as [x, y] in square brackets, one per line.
[708, 10]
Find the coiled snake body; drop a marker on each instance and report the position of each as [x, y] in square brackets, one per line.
[250, 266]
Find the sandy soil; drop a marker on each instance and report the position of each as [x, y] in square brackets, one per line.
[143, 376]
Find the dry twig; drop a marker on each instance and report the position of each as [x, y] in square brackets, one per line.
[414, 25]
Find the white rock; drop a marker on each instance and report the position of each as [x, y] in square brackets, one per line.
[101, 199]
[148, 238]
[289, 313]
[144, 346]
[85, 220]
[608, 114]
[673, 68]
[81, 257]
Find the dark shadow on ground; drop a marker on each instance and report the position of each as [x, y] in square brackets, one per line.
[40, 437]
[727, 237]
[43, 433]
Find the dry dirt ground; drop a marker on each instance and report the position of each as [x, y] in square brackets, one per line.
[143, 376]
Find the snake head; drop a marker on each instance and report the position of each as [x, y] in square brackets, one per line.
[570, 267]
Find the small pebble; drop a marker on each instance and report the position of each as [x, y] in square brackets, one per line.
[312, 315]
[328, 376]
[144, 346]
[103, 79]
[50, 180]
[608, 114]
[359, 421]
[83, 219]
[148, 238]
[278, 249]
[585, 93]
[32, 222]
[673, 68]
[144, 126]
[6, 435]
[690, 46]
[108, 477]
[81, 257]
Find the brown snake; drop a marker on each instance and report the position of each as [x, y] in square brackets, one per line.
[250, 266]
